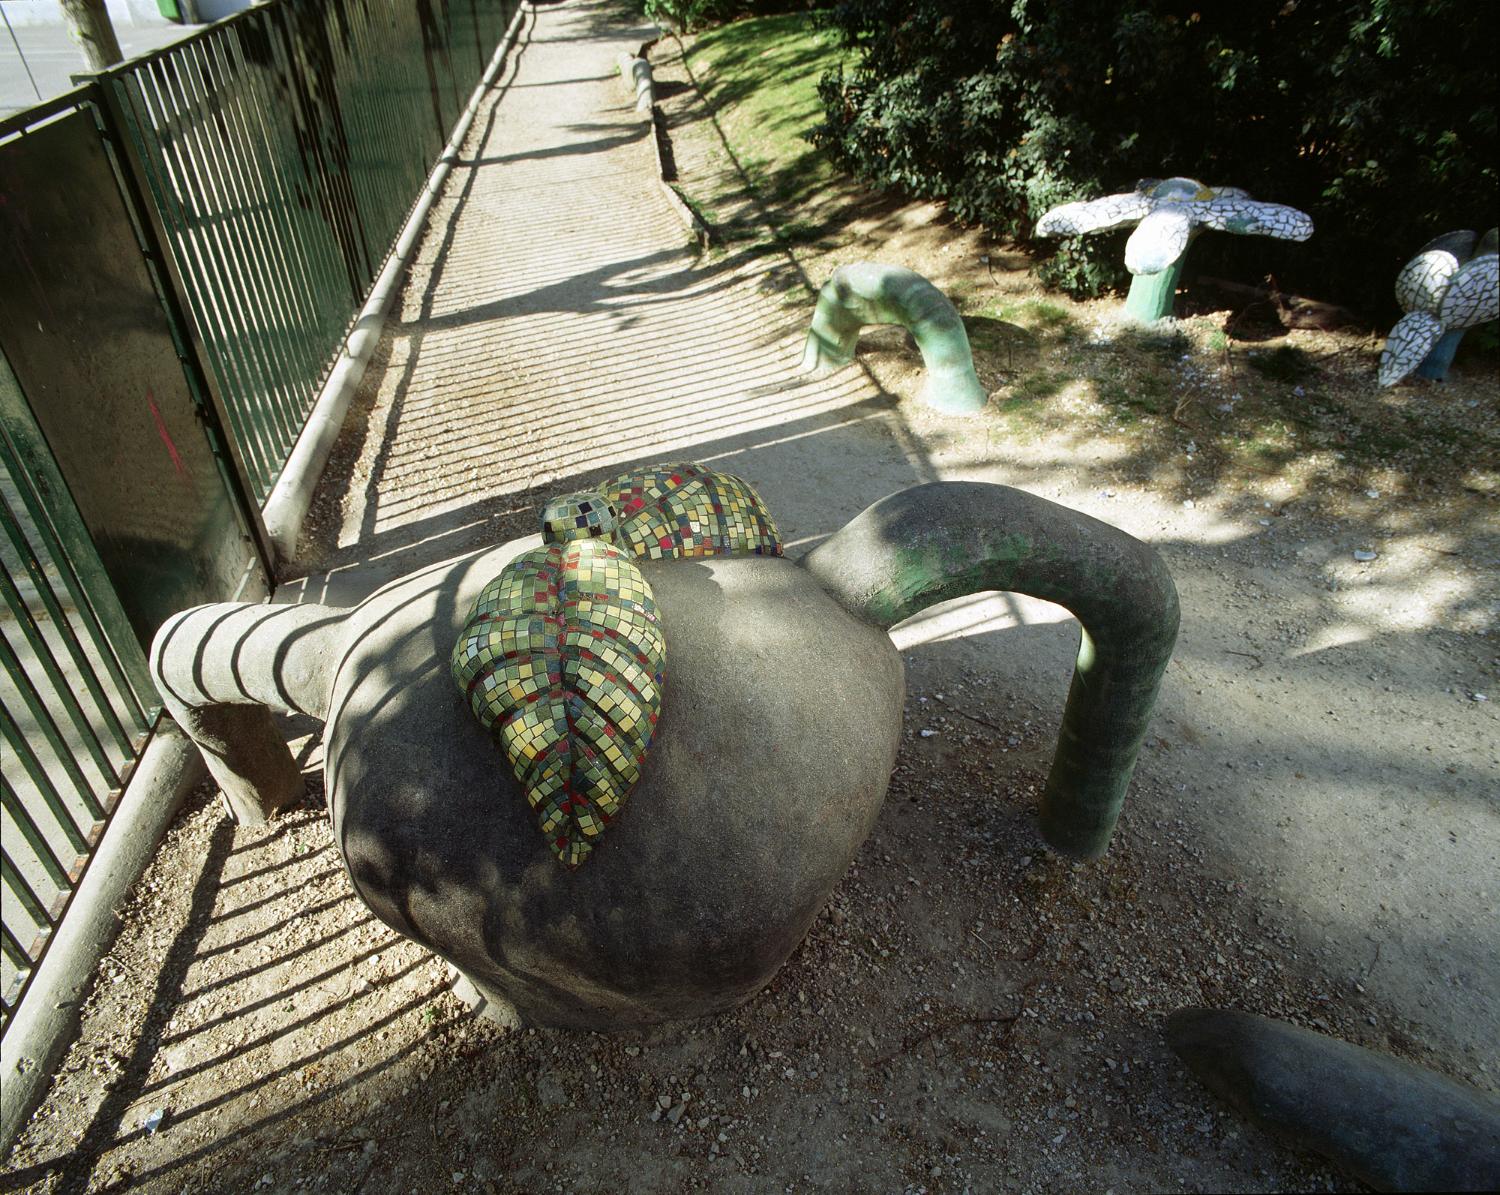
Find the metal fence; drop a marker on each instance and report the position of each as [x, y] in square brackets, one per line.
[284, 150]
[75, 698]
[184, 245]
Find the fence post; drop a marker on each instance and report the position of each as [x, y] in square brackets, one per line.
[131, 175]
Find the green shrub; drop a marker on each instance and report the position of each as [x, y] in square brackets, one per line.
[1378, 118]
[689, 16]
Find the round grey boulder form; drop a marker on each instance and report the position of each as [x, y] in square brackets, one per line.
[1395, 1125]
[778, 729]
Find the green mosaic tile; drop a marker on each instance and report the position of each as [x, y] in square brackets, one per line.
[687, 510]
[563, 659]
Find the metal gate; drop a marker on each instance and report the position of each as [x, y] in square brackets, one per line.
[184, 245]
[115, 509]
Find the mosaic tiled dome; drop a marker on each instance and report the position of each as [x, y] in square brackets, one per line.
[687, 510]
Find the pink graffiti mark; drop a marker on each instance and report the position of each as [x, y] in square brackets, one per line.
[166, 437]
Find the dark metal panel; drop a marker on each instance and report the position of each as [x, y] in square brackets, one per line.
[86, 336]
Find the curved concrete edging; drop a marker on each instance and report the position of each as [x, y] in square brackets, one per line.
[690, 219]
[635, 73]
[290, 497]
[47, 1020]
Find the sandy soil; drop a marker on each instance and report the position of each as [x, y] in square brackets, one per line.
[1313, 830]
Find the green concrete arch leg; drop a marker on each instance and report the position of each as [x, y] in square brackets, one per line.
[867, 293]
[944, 540]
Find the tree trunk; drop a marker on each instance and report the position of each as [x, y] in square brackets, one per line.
[89, 21]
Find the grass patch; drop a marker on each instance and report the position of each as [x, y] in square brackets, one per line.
[1036, 315]
[1284, 364]
[761, 76]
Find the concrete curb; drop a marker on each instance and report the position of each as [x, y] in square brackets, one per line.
[286, 507]
[48, 1019]
[665, 176]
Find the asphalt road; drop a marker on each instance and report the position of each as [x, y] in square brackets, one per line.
[53, 58]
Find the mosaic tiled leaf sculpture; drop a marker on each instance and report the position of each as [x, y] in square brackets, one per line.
[685, 510]
[563, 659]
[1452, 284]
[1167, 211]
[563, 655]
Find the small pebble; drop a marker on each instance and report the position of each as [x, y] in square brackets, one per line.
[1364, 555]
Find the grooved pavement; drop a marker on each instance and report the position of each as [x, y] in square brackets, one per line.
[558, 324]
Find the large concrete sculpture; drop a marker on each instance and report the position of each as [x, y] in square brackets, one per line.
[658, 669]
[868, 293]
[1450, 286]
[1168, 214]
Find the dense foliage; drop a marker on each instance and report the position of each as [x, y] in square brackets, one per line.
[1378, 118]
[689, 16]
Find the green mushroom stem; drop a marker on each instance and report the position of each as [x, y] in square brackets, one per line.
[1439, 360]
[943, 540]
[867, 293]
[1152, 296]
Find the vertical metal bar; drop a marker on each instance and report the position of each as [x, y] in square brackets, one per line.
[380, 97]
[334, 199]
[35, 839]
[13, 950]
[46, 723]
[44, 786]
[124, 97]
[221, 284]
[338, 75]
[25, 456]
[301, 317]
[134, 187]
[246, 294]
[269, 130]
[11, 875]
[43, 651]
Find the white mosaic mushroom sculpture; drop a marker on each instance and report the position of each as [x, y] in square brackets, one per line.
[1450, 286]
[1168, 214]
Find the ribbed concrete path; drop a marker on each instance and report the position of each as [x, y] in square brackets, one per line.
[558, 324]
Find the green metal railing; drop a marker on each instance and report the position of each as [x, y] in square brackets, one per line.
[283, 150]
[75, 697]
[265, 166]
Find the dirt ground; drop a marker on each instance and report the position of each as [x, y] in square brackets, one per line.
[1313, 832]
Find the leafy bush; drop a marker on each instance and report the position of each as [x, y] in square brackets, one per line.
[1376, 117]
[689, 16]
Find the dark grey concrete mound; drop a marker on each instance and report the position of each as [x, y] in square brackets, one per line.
[1393, 1124]
[780, 721]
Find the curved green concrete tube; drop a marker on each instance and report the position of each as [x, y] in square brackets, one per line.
[868, 293]
[947, 539]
